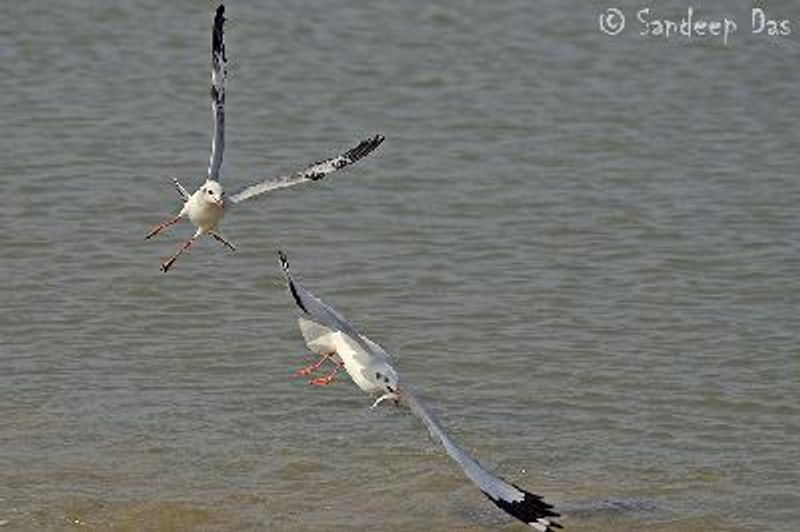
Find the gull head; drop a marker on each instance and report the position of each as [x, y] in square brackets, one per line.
[384, 378]
[385, 381]
[211, 192]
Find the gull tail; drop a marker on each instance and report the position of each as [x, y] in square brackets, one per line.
[515, 501]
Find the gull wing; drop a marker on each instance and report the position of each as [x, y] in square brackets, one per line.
[319, 338]
[323, 315]
[314, 172]
[219, 71]
[515, 501]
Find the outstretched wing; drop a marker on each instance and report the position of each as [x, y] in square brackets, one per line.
[323, 315]
[315, 172]
[525, 506]
[219, 71]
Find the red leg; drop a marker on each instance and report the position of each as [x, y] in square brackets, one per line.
[160, 227]
[327, 379]
[168, 264]
[308, 370]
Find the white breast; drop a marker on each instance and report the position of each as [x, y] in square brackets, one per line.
[323, 341]
[203, 214]
[356, 362]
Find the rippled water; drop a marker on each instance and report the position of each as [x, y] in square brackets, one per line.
[583, 249]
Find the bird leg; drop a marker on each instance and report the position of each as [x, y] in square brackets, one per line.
[219, 238]
[327, 379]
[160, 227]
[168, 264]
[308, 370]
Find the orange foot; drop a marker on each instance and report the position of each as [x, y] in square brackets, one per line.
[327, 379]
[321, 381]
[308, 370]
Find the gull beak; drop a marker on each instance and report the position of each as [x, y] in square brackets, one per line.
[385, 397]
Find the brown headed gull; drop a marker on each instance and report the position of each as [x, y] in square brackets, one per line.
[208, 205]
[331, 336]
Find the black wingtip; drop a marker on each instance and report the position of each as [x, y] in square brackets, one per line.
[283, 260]
[365, 147]
[531, 510]
[377, 140]
[296, 297]
[217, 43]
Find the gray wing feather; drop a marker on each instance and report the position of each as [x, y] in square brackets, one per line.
[314, 172]
[219, 72]
[319, 312]
[523, 505]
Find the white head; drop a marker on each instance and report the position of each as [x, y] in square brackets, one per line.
[211, 192]
[384, 377]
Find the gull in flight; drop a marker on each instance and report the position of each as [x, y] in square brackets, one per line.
[335, 339]
[208, 205]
